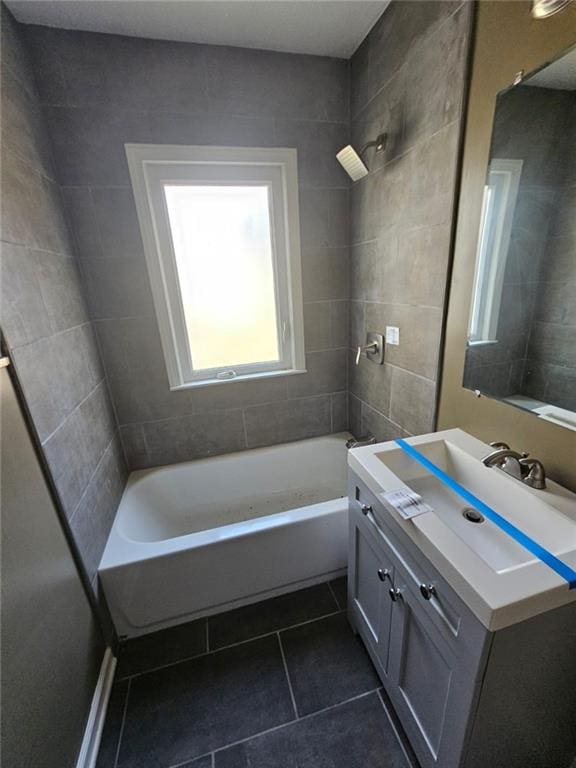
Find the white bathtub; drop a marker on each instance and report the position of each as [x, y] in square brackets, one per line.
[204, 536]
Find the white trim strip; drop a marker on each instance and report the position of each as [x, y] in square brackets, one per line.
[97, 715]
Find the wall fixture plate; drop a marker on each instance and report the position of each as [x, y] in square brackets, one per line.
[377, 354]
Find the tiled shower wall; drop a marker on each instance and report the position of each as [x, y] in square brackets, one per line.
[44, 320]
[101, 91]
[408, 80]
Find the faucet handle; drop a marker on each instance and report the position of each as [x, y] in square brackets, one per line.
[533, 473]
[500, 444]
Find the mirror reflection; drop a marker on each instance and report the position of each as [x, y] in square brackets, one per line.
[522, 330]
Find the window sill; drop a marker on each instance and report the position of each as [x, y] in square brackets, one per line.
[482, 343]
[245, 377]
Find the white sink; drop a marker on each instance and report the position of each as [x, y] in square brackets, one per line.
[494, 570]
[537, 519]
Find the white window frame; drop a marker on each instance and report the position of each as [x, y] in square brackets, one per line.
[151, 166]
[491, 261]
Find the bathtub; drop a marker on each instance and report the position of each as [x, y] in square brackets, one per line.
[204, 536]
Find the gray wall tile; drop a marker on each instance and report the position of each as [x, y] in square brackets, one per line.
[75, 449]
[23, 314]
[407, 79]
[94, 515]
[412, 402]
[376, 424]
[324, 273]
[339, 402]
[57, 373]
[194, 437]
[61, 289]
[114, 90]
[290, 420]
[247, 82]
[134, 445]
[420, 330]
[326, 372]
[44, 318]
[88, 143]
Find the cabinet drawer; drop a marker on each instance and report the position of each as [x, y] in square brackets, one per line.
[428, 589]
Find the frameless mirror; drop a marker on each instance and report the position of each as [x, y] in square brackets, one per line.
[522, 330]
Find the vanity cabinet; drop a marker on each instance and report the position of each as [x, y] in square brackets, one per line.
[441, 667]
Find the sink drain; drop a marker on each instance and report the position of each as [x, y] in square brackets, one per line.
[472, 515]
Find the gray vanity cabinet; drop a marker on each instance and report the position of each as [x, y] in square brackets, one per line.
[428, 668]
[466, 697]
[369, 599]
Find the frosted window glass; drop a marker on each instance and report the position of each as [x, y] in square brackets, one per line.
[223, 249]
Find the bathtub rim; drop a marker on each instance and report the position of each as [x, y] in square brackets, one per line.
[121, 551]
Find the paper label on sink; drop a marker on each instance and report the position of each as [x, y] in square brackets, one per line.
[406, 502]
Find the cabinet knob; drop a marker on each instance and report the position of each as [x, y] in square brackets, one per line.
[427, 591]
[395, 594]
[383, 574]
[366, 508]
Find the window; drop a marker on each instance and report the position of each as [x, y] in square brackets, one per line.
[221, 234]
[498, 207]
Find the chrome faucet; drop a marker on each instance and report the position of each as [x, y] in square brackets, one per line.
[361, 441]
[518, 465]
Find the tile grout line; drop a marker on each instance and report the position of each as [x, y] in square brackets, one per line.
[284, 662]
[409, 761]
[232, 645]
[299, 720]
[334, 596]
[121, 732]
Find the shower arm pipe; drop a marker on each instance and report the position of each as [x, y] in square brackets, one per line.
[379, 142]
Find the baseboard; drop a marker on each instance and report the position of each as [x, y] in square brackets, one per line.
[97, 715]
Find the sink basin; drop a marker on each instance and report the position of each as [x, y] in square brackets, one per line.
[541, 522]
[499, 579]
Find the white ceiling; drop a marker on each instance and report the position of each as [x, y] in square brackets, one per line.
[321, 27]
[561, 74]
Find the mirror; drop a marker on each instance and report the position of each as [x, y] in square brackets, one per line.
[522, 330]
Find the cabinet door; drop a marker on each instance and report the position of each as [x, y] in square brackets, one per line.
[369, 579]
[431, 687]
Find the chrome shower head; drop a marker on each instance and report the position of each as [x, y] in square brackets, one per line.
[352, 161]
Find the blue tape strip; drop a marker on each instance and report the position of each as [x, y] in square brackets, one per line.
[567, 573]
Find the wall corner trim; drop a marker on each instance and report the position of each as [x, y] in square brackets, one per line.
[97, 715]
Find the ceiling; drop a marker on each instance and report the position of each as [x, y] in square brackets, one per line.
[321, 27]
[561, 74]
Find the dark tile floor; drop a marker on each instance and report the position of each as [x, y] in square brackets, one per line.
[280, 684]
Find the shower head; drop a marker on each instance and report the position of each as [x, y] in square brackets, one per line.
[352, 161]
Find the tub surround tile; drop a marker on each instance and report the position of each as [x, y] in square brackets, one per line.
[356, 734]
[159, 649]
[44, 317]
[287, 421]
[325, 372]
[194, 437]
[89, 429]
[23, 313]
[93, 517]
[327, 664]
[339, 403]
[401, 213]
[193, 94]
[57, 373]
[270, 615]
[186, 710]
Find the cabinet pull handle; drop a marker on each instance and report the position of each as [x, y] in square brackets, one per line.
[395, 594]
[427, 591]
[383, 574]
[366, 508]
